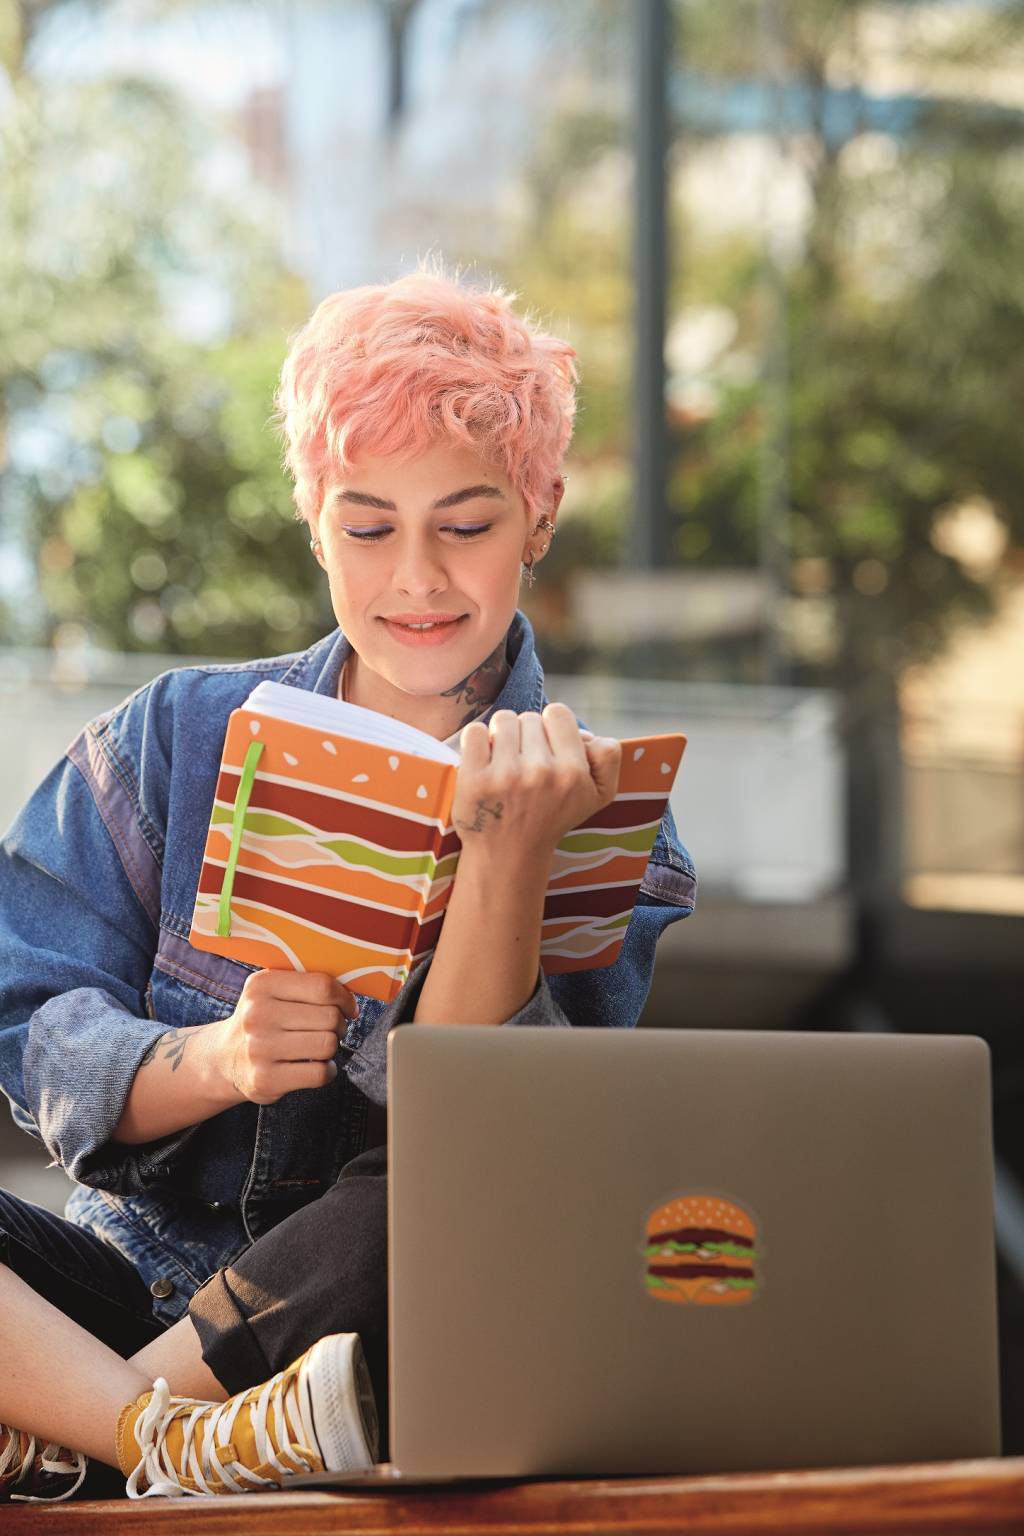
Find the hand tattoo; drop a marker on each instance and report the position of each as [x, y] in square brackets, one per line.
[482, 810]
[171, 1046]
[482, 686]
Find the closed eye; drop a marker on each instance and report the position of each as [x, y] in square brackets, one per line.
[461, 531]
[468, 531]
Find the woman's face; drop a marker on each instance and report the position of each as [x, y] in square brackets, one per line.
[438, 538]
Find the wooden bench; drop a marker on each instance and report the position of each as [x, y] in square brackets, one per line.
[952, 1498]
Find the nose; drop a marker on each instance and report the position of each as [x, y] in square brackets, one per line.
[419, 567]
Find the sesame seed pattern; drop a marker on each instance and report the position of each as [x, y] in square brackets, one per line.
[701, 1250]
[697, 1209]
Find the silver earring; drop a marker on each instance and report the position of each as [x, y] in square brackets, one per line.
[316, 547]
[528, 571]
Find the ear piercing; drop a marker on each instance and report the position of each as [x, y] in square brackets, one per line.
[528, 571]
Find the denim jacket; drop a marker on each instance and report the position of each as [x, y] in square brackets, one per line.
[98, 877]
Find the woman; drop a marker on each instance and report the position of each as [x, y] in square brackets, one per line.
[197, 1104]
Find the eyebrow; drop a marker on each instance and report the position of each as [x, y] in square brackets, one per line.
[453, 499]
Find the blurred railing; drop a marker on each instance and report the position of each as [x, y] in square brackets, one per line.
[45, 699]
[963, 806]
[758, 800]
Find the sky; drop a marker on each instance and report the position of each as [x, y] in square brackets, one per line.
[215, 54]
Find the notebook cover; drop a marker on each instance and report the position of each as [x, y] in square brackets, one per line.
[348, 868]
[598, 867]
[337, 859]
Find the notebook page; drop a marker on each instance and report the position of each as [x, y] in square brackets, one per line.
[343, 719]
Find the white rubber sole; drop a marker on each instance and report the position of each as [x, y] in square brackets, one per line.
[341, 1402]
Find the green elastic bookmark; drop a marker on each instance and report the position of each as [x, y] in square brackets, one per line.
[252, 757]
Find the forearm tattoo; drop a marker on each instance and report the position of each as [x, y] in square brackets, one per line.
[482, 686]
[170, 1046]
[483, 810]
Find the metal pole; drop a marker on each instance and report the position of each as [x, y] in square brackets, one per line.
[648, 543]
[773, 468]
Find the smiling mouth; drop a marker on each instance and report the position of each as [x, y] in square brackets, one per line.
[425, 624]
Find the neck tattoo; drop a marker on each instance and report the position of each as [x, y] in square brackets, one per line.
[482, 686]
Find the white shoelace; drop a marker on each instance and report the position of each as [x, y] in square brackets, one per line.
[157, 1466]
[48, 1462]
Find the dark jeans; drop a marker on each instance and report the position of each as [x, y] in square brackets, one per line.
[87, 1281]
[321, 1270]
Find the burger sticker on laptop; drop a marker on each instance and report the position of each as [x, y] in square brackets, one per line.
[701, 1249]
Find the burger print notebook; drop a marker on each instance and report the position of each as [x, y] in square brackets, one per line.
[330, 846]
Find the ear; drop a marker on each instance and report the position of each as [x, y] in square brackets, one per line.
[557, 492]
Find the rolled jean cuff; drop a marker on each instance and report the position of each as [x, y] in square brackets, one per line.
[229, 1346]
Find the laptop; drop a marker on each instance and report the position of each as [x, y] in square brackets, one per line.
[688, 1251]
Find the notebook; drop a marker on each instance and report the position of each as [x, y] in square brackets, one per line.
[541, 1180]
[330, 846]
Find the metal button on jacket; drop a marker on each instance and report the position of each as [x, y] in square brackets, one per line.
[161, 1289]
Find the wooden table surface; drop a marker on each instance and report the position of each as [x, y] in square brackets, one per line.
[952, 1498]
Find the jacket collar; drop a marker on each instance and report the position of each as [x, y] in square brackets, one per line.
[318, 669]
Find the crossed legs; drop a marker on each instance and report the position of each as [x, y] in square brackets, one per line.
[321, 1270]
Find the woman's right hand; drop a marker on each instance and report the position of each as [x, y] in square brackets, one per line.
[283, 1034]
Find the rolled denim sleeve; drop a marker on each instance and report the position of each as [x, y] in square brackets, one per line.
[367, 1068]
[76, 952]
[612, 995]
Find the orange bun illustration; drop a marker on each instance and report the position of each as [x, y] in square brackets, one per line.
[700, 1249]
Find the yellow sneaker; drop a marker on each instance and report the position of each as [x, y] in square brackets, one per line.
[33, 1473]
[318, 1415]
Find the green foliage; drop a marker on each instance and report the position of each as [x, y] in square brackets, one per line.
[900, 403]
[143, 475]
[879, 362]
[901, 328]
[876, 369]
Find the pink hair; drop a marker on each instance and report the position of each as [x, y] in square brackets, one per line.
[394, 368]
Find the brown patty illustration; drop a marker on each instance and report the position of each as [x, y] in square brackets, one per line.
[700, 1249]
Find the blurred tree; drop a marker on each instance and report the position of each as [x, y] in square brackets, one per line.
[898, 309]
[122, 407]
[144, 324]
[570, 260]
[902, 322]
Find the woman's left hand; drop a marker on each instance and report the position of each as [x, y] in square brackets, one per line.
[526, 780]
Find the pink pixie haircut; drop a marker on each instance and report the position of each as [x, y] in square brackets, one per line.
[391, 369]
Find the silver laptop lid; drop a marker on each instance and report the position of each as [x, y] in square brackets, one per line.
[688, 1251]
